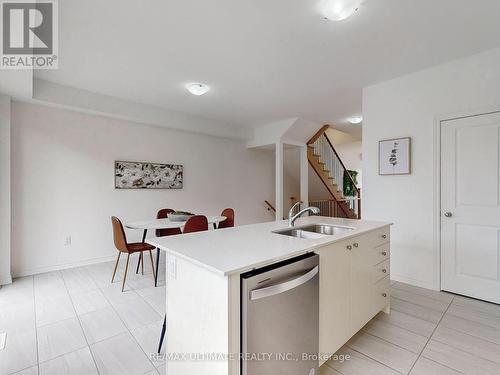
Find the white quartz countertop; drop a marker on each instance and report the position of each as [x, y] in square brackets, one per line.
[242, 248]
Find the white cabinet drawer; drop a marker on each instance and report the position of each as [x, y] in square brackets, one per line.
[380, 271]
[381, 253]
[379, 236]
[381, 294]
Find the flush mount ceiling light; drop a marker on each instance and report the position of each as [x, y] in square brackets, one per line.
[338, 10]
[355, 120]
[197, 88]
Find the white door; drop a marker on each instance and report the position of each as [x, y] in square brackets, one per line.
[470, 207]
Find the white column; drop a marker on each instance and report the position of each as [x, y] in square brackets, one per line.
[5, 198]
[279, 181]
[304, 177]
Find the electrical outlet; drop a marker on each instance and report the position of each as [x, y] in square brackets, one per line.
[67, 241]
[172, 267]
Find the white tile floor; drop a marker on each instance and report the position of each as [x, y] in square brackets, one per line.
[75, 322]
[427, 333]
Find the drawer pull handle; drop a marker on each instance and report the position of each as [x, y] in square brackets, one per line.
[349, 247]
[384, 236]
[384, 295]
[384, 253]
[355, 244]
[384, 270]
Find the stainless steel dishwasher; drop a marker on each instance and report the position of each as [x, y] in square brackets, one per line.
[279, 318]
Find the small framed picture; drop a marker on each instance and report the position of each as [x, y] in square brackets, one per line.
[394, 156]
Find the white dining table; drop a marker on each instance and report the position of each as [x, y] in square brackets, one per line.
[167, 223]
[154, 224]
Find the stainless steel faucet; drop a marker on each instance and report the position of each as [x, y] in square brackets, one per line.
[292, 217]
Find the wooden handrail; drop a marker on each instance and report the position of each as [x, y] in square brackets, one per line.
[340, 176]
[327, 188]
[270, 206]
[335, 200]
[318, 134]
[342, 163]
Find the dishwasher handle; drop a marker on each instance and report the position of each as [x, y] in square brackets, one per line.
[283, 287]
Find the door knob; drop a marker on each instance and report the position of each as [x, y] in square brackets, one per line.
[448, 214]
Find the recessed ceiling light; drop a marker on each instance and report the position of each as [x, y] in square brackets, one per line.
[338, 10]
[355, 120]
[197, 88]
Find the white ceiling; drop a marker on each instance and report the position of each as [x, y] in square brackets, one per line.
[264, 59]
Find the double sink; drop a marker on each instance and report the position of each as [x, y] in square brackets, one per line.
[313, 231]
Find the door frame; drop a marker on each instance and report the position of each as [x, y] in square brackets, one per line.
[438, 120]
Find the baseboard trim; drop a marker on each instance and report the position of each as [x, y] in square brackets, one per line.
[414, 282]
[57, 267]
[5, 280]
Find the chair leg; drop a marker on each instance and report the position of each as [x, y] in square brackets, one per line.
[144, 234]
[142, 262]
[125, 276]
[157, 265]
[138, 264]
[162, 336]
[116, 266]
[152, 264]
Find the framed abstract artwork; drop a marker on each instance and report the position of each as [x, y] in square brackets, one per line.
[394, 156]
[145, 175]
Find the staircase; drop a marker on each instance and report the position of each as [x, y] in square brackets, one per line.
[331, 170]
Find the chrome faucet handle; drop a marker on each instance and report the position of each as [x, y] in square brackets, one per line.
[295, 205]
[292, 209]
[291, 218]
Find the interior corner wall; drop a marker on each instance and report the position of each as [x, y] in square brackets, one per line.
[291, 178]
[410, 106]
[5, 190]
[63, 182]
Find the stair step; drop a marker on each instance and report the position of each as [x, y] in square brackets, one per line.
[329, 182]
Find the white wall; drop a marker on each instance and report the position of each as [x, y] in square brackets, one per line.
[63, 182]
[5, 205]
[409, 106]
[17, 83]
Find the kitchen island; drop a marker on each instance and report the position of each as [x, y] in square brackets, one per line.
[204, 285]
